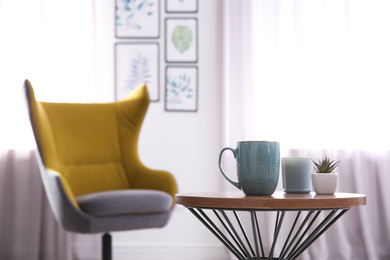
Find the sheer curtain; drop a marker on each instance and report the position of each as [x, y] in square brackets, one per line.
[313, 75]
[322, 73]
[52, 43]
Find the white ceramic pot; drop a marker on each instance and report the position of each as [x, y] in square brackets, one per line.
[325, 183]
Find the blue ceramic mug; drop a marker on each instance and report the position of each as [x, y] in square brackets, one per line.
[258, 165]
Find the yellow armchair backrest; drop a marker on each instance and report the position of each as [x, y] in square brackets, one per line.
[93, 147]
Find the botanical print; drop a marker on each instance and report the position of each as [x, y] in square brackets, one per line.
[137, 64]
[181, 6]
[137, 18]
[181, 88]
[181, 40]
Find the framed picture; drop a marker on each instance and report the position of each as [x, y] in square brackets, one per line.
[181, 36]
[137, 18]
[181, 6]
[181, 88]
[135, 64]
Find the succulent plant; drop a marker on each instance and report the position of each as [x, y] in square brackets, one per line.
[325, 165]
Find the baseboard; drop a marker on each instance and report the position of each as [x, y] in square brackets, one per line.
[169, 252]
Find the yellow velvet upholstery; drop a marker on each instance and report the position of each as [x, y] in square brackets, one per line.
[93, 147]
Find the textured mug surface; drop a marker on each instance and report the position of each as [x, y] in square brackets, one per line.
[296, 174]
[258, 165]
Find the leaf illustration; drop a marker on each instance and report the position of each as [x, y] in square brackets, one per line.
[182, 38]
[140, 5]
[139, 71]
[180, 89]
[131, 12]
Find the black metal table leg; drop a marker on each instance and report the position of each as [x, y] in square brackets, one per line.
[302, 233]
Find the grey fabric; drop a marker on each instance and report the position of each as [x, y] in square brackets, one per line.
[78, 221]
[129, 222]
[125, 202]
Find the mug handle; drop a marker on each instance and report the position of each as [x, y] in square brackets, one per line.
[234, 151]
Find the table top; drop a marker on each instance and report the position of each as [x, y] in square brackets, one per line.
[278, 201]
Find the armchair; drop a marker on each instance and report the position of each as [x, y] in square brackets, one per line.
[90, 168]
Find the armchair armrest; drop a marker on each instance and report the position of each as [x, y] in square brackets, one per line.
[155, 180]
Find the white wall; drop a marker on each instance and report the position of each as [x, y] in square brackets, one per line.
[183, 143]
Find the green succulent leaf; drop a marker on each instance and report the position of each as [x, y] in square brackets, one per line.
[325, 165]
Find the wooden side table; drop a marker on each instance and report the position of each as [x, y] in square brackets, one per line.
[218, 212]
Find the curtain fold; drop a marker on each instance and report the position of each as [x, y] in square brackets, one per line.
[27, 226]
[282, 58]
[238, 69]
[28, 229]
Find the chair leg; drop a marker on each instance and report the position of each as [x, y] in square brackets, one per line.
[106, 243]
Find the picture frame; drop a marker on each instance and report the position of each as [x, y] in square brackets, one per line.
[181, 40]
[181, 88]
[137, 19]
[181, 6]
[136, 64]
